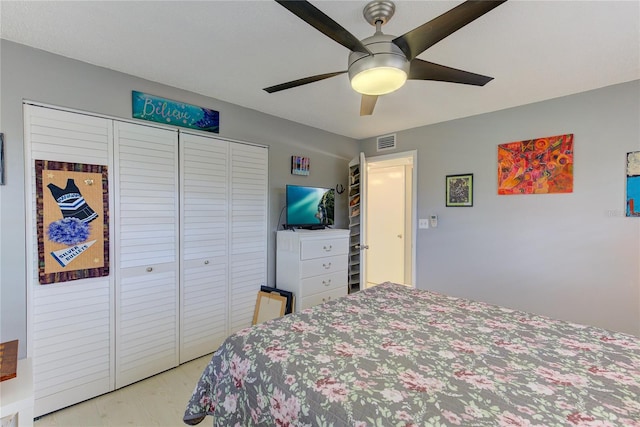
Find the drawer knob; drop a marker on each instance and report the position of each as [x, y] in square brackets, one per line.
[206, 262]
[327, 248]
[326, 266]
[326, 282]
[149, 269]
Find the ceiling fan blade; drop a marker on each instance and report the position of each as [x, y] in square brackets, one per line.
[300, 82]
[367, 104]
[423, 70]
[327, 26]
[416, 41]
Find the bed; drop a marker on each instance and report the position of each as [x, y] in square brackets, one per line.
[398, 356]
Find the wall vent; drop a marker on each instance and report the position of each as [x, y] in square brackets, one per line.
[386, 142]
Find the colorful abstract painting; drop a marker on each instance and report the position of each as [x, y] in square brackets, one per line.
[536, 166]
[633, 183]
[73, 221]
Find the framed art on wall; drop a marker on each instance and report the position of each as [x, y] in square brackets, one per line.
[633, 183]
[536, 166]
[299, 165]
[459, 190]
[1, 158]
[72, 203]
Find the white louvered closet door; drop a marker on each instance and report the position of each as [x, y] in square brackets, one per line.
[248, 230]
[204, 248]
[147, 251]
[70, 323]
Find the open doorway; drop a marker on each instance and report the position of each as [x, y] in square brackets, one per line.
[388, 229]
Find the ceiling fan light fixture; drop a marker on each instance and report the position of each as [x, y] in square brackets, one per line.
[378, 80]
[384, 71]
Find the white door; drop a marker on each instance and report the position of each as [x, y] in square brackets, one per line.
[204, 195]
[71, 323]
[363, 221]
[248, 204]
[385, 225]
[388, 224]
[146, 251]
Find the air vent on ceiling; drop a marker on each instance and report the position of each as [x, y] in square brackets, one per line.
[386, 142]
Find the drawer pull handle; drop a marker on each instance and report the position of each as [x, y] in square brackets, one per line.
[326, 282]
[327, 248]
[149, 269]
[326, 266]
[206, 262]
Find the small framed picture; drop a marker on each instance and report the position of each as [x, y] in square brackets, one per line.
[1, 159]
[299, 165]
[459, 190]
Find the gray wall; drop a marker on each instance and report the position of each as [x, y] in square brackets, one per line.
[571, 256]
[34, 75]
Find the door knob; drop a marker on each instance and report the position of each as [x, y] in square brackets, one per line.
[399, 236]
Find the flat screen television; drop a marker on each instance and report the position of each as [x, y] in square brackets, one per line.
[309, 207]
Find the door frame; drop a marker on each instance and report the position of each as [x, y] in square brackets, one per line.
[413, 155]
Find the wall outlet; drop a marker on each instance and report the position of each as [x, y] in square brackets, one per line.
[423, 223]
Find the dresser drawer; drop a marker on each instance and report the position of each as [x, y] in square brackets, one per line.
[316, 284]
[322, 297]
[318, 248]
[319, 266]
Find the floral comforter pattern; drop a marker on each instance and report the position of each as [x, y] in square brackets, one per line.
[396, 356]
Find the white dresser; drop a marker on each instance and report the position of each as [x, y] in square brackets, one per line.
[313, 265]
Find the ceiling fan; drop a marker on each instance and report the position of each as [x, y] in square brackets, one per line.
[381, 64]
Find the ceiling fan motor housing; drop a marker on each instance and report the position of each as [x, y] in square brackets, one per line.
[385, 54]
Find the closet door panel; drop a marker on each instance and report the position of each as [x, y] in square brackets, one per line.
[205, 237]
[147, 251]
[71, 323]
[248, 230]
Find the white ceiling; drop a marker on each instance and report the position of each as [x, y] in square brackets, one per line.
[230, 50]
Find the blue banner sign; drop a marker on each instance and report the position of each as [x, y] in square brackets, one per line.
[161, 110]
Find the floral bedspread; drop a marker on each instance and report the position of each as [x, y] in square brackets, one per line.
[396, 356]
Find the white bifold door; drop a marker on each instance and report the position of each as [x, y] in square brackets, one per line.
[205, 259]
[147, 242]
[69, 329]
[224, 239]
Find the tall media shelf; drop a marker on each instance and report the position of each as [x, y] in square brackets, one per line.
[354, 225]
